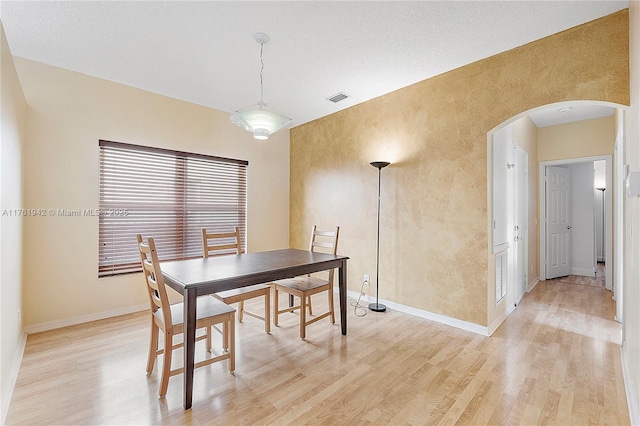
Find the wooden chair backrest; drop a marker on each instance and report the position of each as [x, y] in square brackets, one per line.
[154, 279]
[326, 241]
[217, 243]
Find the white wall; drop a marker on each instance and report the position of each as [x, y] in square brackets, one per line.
[631, 320]
[12, 140]
[599, 199]
[582, 219]
[68, 114]
[600, 181]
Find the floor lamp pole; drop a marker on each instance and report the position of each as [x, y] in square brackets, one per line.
[378, 307]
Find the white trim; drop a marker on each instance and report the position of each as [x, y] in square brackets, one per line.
[10, 384]
[442, 319]
[500, 319]
[51, 325]
[632, 398]
[533, 284]
[618, 222]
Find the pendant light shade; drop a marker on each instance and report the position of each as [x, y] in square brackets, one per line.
[259, 119]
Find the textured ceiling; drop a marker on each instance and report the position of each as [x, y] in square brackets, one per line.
[204, 52]
[568, 113]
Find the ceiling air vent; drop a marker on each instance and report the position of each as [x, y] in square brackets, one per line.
[338, 97]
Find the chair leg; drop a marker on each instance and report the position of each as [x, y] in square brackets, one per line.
[166, 362]
[275, 306]
[240, 311]
[209, 331]
[267, 309]
[225, 336]
[231, 335]
[303, 316]
[309, 304]
[153, 346]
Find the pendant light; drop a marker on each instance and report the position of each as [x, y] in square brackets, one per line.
[259, 118]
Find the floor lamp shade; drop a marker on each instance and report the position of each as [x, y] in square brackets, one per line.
[378, 307]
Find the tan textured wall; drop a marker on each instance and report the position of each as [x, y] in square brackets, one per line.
[434, 245]
[575, 140]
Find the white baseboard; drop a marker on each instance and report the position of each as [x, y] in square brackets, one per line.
[632, 398]
[442, 319]
[533, 284]
[496, 323]
[51, 325]
[10, 384]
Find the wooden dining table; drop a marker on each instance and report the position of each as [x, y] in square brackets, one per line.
[199, 277]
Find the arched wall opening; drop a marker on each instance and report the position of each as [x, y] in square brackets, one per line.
[592, 131]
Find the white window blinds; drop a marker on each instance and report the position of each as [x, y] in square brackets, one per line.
[169, 195]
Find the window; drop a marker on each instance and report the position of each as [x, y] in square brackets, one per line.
[169, 195]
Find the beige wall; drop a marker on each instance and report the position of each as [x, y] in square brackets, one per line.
[587, 138]
[434, 244]
[12, 141]
[68, 114]
[631, 314]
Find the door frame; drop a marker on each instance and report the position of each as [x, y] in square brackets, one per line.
[519, 289]
[610, 261]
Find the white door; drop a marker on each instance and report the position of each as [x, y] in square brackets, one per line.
[558, 229]
[502, 149]
[520, 223]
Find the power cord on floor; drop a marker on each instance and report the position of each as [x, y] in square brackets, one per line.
[358, 309]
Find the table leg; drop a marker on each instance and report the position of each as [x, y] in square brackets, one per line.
[190, 302]
[342, 287]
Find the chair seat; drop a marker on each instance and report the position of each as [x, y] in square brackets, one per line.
[169, 319]
[220, 243]
[207, 307]
[305, 286]
[302, 284]
[242, 293]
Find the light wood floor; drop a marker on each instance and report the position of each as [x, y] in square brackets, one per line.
[555, 360]
[597, 281]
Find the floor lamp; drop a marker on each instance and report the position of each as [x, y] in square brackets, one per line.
[378, 307]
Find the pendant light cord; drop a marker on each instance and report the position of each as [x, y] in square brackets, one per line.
[261, 69]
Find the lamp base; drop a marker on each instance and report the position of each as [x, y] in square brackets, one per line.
[377, 307]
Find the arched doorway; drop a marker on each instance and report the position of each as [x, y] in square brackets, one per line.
[525, 128]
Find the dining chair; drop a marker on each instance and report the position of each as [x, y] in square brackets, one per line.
[304, 287]
[221, 243]
[168, 318]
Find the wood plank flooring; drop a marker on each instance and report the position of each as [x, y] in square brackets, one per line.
[555, 360]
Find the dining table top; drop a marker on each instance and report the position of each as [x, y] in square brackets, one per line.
[220, 273]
